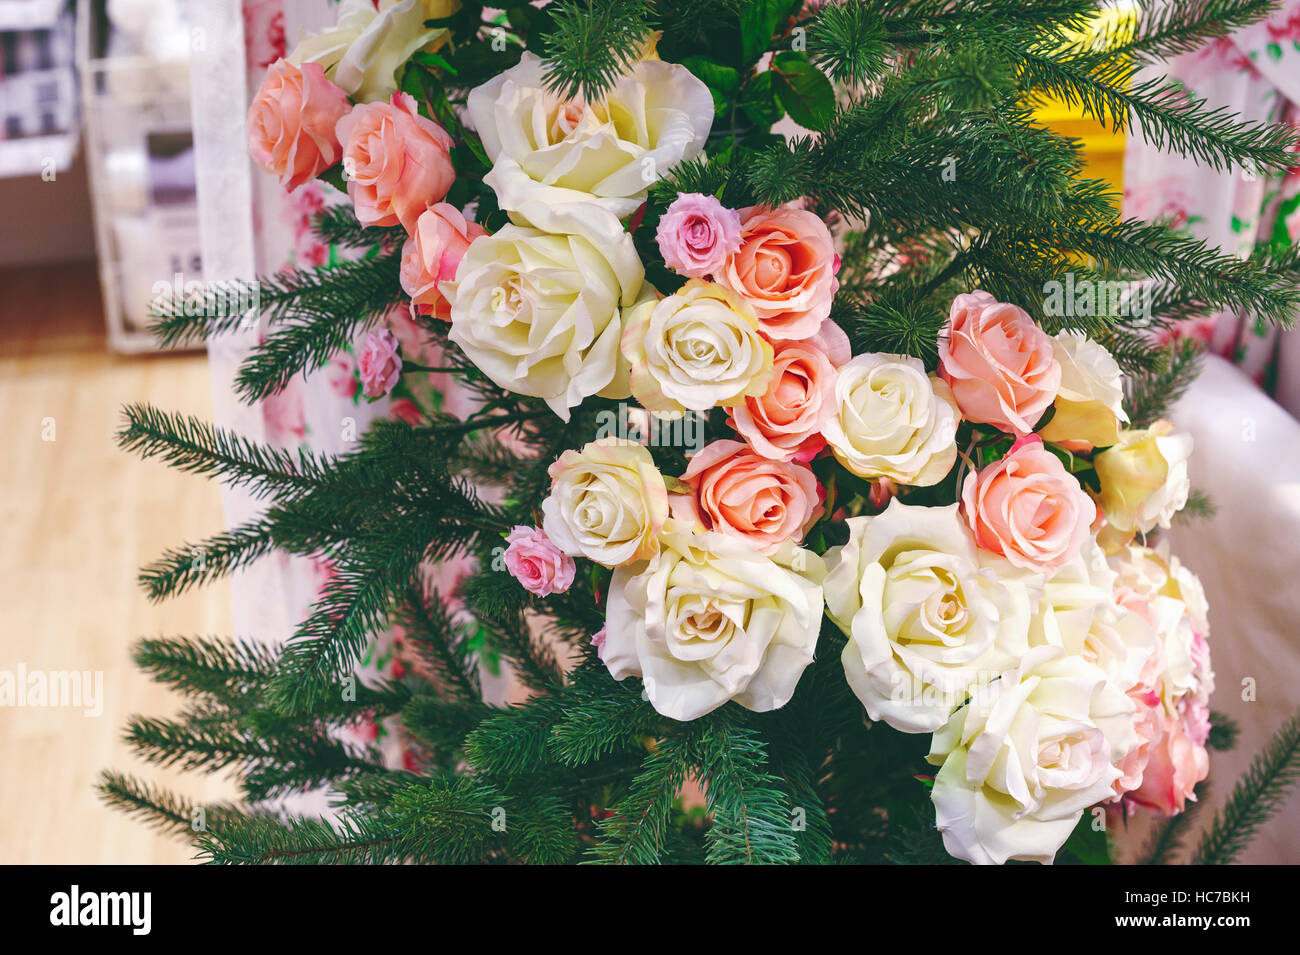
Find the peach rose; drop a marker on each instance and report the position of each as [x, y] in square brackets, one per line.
[1028, 508]
[397, 162]
[431, 254]
[1000, 365]
[784, 423]
[785, 269]
[291, 122]
[739, 492]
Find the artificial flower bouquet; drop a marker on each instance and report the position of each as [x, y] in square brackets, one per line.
[953, 529]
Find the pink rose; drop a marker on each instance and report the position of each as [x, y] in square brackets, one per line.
[539, 566]
[1175, 764]
[291, 122]
[785, 269]
[380, 363]
[397, 162]
[739, 492]
[784, 423]
[1028, 508]
[1000, 365]
[431, 254]
[696, 235]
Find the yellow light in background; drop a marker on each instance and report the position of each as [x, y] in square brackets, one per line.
[1103, 149]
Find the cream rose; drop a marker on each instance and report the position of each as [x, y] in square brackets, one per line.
[1089, 403]
[371, 42]
[695, 350]
[541, 314]
[893, 421]
[1144, 478]
[607, 502]
[927, 616]
[549, 153]
[709, 619]
[1020, 763]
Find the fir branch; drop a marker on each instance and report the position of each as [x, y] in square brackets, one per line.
[194, 446]
[1224, 731]
[752, 818]
[634, 834]
[1259, 794]
[430, 631]
[315, 319]
[180, 568]
[351, 293]
[848, 42]
[1164, 112]
[1199, 507]
[593, 43]
[1147, 398]
[338, 225]
[1164, 31]
[206, 666]
[160, 809]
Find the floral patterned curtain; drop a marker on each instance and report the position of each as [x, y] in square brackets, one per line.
[1254, 72]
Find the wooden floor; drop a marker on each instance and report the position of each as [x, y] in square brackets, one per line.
[78, 518]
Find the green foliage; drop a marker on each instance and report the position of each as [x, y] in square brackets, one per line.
[924, 154]
[1149, 397]
[1255, 799]
[593, 42]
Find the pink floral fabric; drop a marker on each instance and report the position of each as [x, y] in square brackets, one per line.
[325, 411]
[1255, 72]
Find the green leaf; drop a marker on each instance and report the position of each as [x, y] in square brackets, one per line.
[723, 81]
[335, 177]
[759, 102]
[759, 20]
[803, 90]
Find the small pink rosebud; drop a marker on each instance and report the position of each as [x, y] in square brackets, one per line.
[380, 363]
[539, 566]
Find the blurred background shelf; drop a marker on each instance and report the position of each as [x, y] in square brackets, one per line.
[29, 14]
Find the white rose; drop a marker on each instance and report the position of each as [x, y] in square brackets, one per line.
[607, 503]
[893, 421]
[1078, 613]
[549, 153]
[541, 314]
[1170, 497]
[367, 46]
[1089, 403]
[709, 619]
[1144, 479]
[695, 350]
[927, 620]
[1021, 762]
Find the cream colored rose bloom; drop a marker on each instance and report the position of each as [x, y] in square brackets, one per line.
[1089, 403]
[550, 153]
[607, 503]
[709, 619]
[928, 616]
[1144, 478]
[1020, 763]
[541, 314]
[696, 350]
[893, 421]
[1078, 613]
[367, 46]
